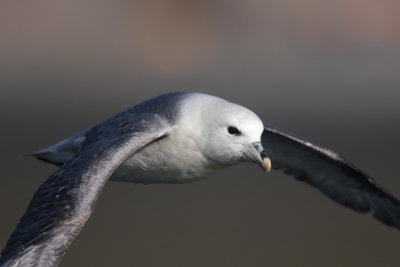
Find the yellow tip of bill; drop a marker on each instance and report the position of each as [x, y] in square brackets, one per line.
[267, 164]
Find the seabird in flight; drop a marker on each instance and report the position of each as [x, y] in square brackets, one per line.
[174, 138]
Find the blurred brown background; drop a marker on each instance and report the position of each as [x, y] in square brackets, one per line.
[326, 70]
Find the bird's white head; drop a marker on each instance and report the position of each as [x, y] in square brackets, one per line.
[228, 133]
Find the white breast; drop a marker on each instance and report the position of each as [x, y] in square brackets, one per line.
[173, 159]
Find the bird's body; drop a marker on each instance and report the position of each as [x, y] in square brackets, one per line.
[179, 157]
[174, 138]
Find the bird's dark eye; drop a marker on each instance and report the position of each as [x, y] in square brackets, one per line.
[233, 130]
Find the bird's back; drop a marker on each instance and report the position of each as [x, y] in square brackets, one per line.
[65, 150]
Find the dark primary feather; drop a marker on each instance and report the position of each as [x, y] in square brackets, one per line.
[331, 174]
[64, 202]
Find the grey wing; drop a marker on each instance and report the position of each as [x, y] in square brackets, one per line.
[331, 174]
[64, 202]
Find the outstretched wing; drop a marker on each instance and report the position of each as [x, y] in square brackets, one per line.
[64, 202]
[331, 174]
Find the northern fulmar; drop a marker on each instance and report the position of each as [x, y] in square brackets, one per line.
[174, 138]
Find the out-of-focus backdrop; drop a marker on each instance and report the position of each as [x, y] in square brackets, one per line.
[328, 71]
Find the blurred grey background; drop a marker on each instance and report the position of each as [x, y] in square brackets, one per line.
[328, 71]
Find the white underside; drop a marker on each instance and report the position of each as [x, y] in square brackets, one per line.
[172, 159]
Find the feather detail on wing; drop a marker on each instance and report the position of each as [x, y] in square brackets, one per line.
[64, 202]
[331, 174]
